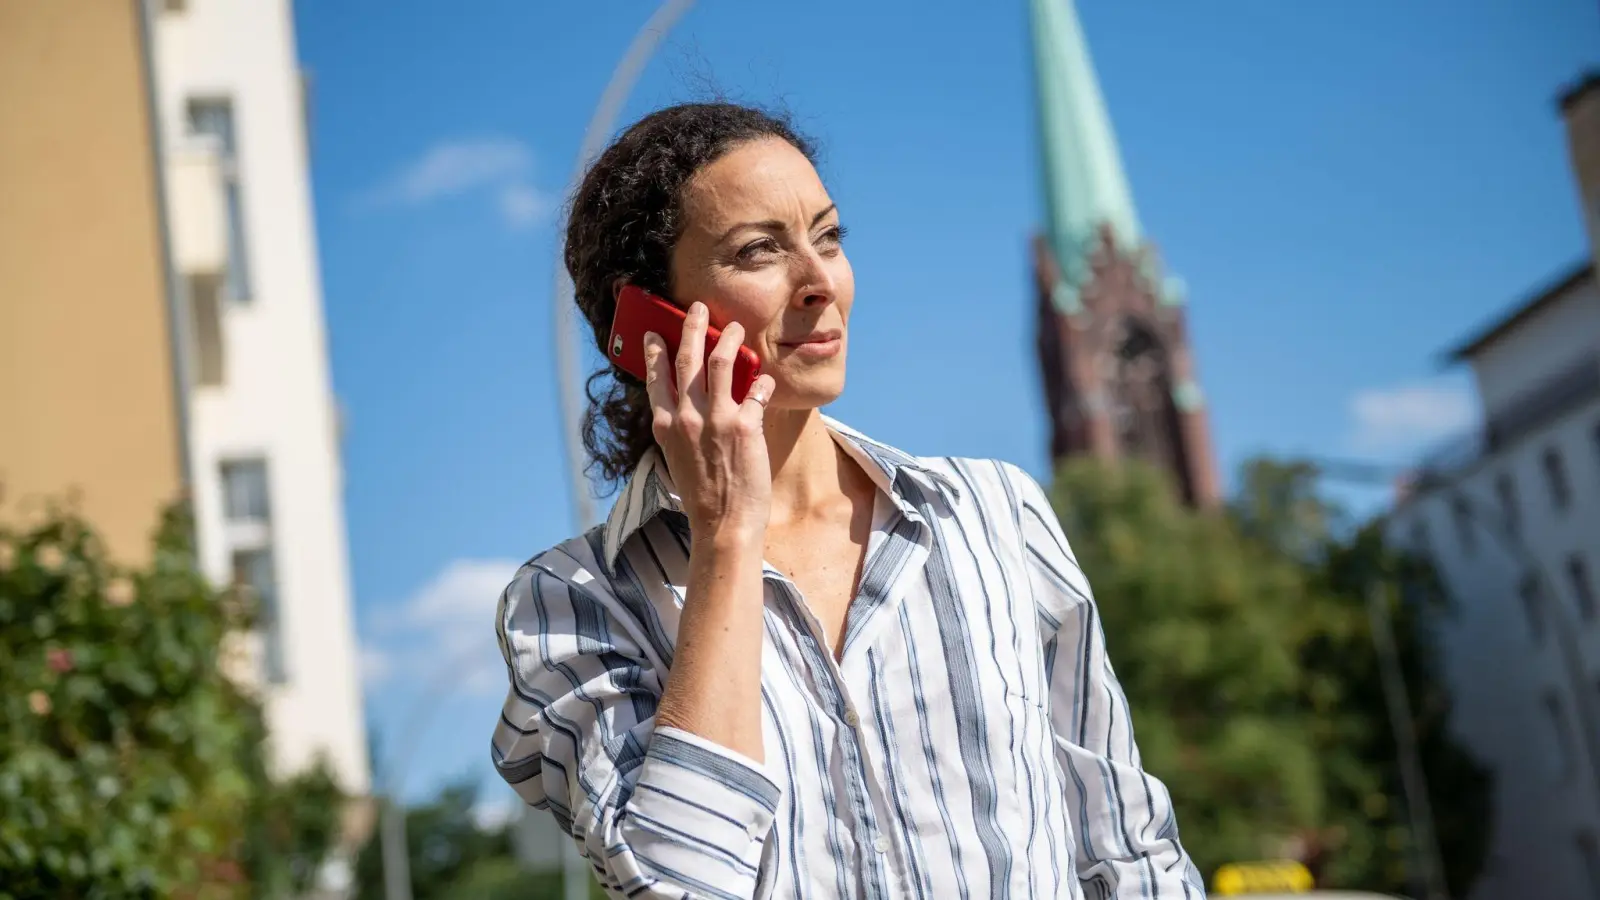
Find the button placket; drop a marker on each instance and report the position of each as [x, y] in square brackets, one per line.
[828, 679]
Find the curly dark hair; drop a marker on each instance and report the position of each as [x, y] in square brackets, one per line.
[625, 218]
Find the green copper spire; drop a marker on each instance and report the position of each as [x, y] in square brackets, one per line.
[1083, 179]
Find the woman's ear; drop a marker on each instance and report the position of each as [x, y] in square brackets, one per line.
[617, 284]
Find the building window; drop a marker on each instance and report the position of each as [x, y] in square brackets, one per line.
[1582, 587]
[205, 320]
[1561, 731]
[1506, 490]
[244, 491]
[1589, 852]
[253, 572]
[213, 118]
[1533, 606]
[1555, 476]
[1462, 513]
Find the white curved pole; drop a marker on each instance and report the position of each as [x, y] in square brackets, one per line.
[569, 379]
[392, 825]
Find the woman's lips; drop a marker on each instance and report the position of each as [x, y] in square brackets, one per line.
[818, 346]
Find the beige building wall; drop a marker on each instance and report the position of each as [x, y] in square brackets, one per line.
[87, 402]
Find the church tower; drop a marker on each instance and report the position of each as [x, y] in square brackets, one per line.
[1119, 375]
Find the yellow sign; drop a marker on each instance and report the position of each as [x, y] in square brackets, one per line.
[1282, 876]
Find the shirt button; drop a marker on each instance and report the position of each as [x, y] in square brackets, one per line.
[852, 719]
[881, 844]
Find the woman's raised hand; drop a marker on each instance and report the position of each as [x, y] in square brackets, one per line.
[715, 448]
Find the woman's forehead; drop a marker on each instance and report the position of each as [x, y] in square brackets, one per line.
[759, 181]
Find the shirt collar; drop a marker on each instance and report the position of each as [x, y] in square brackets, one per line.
[650, 490]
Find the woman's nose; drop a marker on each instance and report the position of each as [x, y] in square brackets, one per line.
[815, 282]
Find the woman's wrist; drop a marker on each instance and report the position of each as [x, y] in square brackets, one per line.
[729, 534]
[729, 539]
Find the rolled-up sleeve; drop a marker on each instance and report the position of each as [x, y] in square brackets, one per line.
[658, 812]
[1125, 829]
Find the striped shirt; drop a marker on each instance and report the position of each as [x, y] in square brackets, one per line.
[970, 742]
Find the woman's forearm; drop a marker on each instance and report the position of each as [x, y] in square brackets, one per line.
[714, 688]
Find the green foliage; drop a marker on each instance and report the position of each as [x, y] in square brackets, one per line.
[1369, 836]
[453, 859]
[1245, 648]
[294, 825]
[130, 765]
[1205, 631]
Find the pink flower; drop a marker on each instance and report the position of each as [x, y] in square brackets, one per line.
[39, 702]
[59, 659]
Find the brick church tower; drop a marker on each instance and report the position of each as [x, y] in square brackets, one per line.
[1119, 375]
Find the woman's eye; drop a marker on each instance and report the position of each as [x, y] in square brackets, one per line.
[755, 249]
[831, 238]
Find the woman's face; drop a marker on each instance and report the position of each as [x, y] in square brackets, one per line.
[761, 247]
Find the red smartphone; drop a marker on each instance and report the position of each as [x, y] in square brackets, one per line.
[640, 312]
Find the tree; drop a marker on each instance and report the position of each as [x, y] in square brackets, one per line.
[454, 858]
[131, 765]
[1205, 630]
[1372, 842]
[1244, 645]
[1366, 840]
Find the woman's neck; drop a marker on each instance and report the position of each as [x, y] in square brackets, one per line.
[809, 472]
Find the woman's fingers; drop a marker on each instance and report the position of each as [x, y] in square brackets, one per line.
[658, 374]
[755, 402]
[719, 366]
[691, 352]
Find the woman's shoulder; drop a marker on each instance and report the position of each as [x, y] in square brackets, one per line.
[573, 562]
[987, 481]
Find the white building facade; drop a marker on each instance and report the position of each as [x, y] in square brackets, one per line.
[261, 420]
[1511, 519]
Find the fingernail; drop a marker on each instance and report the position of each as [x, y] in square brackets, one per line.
[697, 308]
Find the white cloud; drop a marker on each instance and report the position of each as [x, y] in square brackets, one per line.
[454, 614]
[1409, 418]
[499, 166]
[522, 205]
[444, 633]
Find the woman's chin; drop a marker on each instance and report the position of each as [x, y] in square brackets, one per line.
[808, 393]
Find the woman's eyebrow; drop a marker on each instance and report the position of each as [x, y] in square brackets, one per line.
[774, 224]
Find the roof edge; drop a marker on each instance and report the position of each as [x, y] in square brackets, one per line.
[1525, 309]
[1576, 91]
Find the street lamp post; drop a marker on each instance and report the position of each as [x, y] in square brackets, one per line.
[392, 826]
[1418, 806]
[601, 124]
[575, 874]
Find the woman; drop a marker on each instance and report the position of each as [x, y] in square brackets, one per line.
[795, 662]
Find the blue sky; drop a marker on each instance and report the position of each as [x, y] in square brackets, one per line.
[1346, 188]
